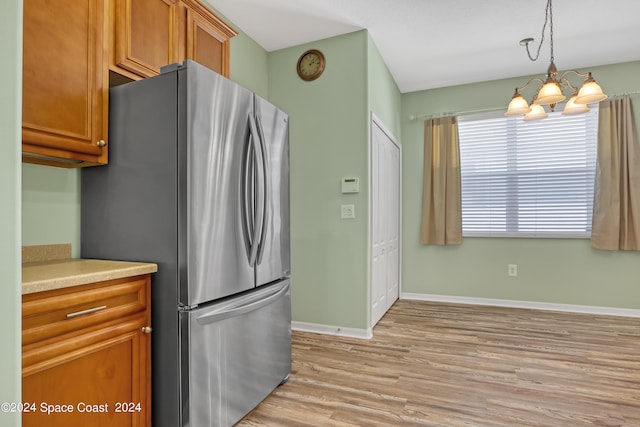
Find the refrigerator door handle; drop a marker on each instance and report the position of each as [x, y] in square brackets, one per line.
[245, 307]
[258, 222]
[266, 185]
[246, 197]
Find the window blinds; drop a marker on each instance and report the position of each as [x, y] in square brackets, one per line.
[527, 179]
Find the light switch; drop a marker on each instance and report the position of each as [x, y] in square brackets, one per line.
[348, 211]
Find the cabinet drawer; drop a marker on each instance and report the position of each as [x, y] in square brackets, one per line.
[54, 313]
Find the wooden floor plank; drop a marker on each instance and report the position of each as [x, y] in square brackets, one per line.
[451, 365]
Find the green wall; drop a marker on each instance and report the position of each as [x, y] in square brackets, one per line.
[249, 65]
[248, 60]
[328, 141]
[565, 271]
[384, 96]
[51, 206]
[330, 127]
[10, 255]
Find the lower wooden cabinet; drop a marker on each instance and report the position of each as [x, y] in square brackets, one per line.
[86, 355]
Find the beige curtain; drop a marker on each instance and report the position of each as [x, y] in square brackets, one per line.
[441, 199]
[616, 206]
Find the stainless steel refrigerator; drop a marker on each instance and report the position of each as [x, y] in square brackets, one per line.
[198, 182]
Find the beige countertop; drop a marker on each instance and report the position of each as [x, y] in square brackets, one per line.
[62, 273]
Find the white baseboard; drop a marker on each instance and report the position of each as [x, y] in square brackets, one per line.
[332, 330]
[571, 308]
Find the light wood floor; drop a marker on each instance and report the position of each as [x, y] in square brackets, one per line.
[435, 364]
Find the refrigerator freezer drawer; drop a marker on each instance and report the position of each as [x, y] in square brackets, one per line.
[238, 351]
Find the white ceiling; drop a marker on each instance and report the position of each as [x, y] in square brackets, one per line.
[435, 43]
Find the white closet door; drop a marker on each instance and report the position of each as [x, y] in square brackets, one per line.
[385, 221]
[392, 168]
[378, 261]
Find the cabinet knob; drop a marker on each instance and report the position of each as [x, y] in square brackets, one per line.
[146, 329]
[101, 143]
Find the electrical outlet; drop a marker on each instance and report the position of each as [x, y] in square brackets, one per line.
[512, 270]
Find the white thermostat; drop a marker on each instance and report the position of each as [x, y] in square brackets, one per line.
[351, 185]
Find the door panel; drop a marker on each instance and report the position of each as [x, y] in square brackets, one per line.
[64, 95]
[378, 291]
[99, 374]
[392, 161]
[205, 44]
[273, 260]
[385, 219]
[238, 351]
[216, 136]
[145, 38]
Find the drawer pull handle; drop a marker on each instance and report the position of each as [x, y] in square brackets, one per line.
[87, 311]
[146, 329]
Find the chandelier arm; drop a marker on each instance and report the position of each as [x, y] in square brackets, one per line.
[532, 79]
[565, 80]
[567, 83]
[574, 72]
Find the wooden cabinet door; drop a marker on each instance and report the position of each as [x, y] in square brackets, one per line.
[100, 384]
[206, 44]
[145, 36]
[206, 38]
[64, 94]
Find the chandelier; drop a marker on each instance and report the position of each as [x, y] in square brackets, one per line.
[549, 91]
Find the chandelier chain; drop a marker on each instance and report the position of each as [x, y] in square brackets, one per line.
[548, 18]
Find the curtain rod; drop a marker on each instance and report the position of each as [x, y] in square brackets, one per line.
[453, 113]
[487, 110]
[621, 94]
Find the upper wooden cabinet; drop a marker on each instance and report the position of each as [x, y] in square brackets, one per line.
[149, 34]
[64, 85]
[144, 36]
[72, 50]
[204, 37]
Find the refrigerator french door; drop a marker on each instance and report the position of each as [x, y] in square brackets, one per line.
[198, 182]
[273, 256]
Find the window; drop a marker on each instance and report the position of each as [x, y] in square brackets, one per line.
[528, 179]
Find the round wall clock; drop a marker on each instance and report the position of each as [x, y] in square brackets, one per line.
[310, 65]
